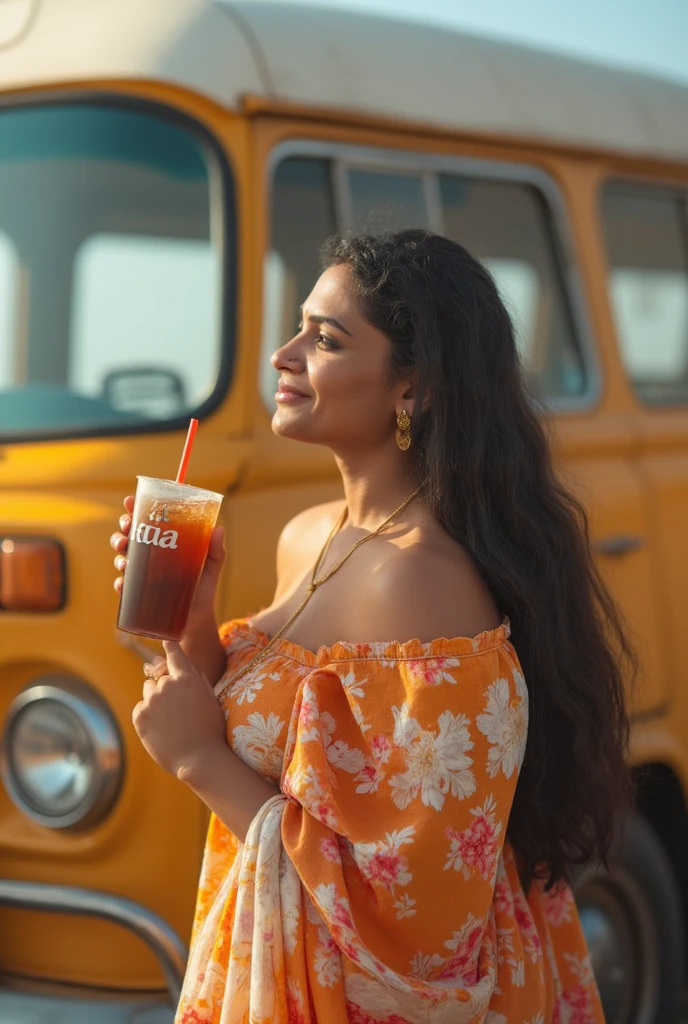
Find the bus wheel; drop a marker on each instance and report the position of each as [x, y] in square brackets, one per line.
[633, 924]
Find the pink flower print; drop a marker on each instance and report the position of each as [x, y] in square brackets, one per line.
[462, 967]
[294, 1011]
[356, 1015]
[503, 899]
[385, 868]
[371, 774]
[579, 1005]
[192, 1016]
[524, 919]
[329, 847]
[380, 748]
[558, 905]
[382, 863]
[295, 1007]
[432, 671]
[309, 714]
[342, 916]
[475, 848]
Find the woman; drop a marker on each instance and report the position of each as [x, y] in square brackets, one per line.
[371, 856]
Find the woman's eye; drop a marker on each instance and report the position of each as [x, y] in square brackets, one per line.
[326, 342]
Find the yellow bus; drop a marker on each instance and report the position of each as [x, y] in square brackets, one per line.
[168, 170]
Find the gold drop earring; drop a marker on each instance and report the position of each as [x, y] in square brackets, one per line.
[403, 430]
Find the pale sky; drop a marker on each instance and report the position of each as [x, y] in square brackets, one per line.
[649, 35]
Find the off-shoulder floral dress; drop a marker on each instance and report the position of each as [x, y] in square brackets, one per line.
[378, 887]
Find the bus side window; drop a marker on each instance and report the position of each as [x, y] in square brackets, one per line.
[9, 284]
[302, 218]
[144, 323]
[505, 225]
[647, 248]
[383, 202]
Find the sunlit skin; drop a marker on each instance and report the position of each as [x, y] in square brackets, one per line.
[413, 580]
[341, 363]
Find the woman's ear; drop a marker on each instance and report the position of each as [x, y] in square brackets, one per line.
[408, 396]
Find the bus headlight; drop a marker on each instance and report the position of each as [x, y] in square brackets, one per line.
[62, 755]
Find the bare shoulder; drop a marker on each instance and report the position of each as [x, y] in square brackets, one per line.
[424, 591]
[302, 538]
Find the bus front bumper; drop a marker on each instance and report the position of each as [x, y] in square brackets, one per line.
[34, 1003]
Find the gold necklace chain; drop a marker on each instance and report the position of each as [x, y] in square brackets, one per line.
[314, 584]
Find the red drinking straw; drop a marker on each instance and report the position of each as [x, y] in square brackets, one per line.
[186, 454]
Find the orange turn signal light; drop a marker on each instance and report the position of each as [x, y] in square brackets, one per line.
[32, 574]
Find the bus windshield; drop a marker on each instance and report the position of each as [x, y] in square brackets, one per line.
[110, 270]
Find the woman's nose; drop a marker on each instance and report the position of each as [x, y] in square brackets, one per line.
[287, 358]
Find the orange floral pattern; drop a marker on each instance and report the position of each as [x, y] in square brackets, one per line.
[378, 887]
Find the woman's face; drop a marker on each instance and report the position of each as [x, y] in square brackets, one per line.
[335, 386]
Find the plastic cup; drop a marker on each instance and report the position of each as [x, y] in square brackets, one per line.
[168, 545]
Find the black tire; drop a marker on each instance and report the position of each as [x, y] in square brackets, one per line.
[633, 921]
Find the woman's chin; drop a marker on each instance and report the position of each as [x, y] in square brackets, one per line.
[287, 426]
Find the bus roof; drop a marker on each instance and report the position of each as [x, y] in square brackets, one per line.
[328, 58]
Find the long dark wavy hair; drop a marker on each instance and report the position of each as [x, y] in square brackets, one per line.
[481, 451]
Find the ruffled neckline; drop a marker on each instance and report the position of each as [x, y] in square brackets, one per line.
[384, 650]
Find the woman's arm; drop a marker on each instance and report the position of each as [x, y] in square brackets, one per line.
[226, 784]
[182, 726]
[202, 646]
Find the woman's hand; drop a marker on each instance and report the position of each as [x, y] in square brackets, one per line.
[203, 607]
[179, 721]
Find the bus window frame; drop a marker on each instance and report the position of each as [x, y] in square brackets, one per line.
[669, 188]
[429, 166]
[221, 180]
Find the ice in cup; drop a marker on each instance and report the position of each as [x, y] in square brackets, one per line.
[168, 544]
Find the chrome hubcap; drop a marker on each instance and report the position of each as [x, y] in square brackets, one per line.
[621, 935]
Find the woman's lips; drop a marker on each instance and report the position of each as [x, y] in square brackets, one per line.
[287, 395]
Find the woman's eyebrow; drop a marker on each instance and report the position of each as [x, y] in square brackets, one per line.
[314, 318]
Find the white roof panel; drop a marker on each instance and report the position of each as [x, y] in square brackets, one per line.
[412, 71]
[328, 58]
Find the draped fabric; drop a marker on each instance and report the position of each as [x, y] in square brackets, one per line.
[378, 886]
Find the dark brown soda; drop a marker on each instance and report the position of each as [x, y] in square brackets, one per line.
[160, 582]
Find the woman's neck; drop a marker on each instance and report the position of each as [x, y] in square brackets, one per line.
[373, 488]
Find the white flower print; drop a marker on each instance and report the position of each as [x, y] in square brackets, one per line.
[290, 902]
[247, 687]
[349, 759]
[327, 959]
[382, 863]
[475, 848]
[303, 784]
[505, 724]
[354, 688]
[518, 974]
[328, 726]
[405, 906]
[507, 954]
[256, 743]
[581, 966]
[495, 1018]
[338, 752]
[436, 762]
[423, 964]
[353, 685]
